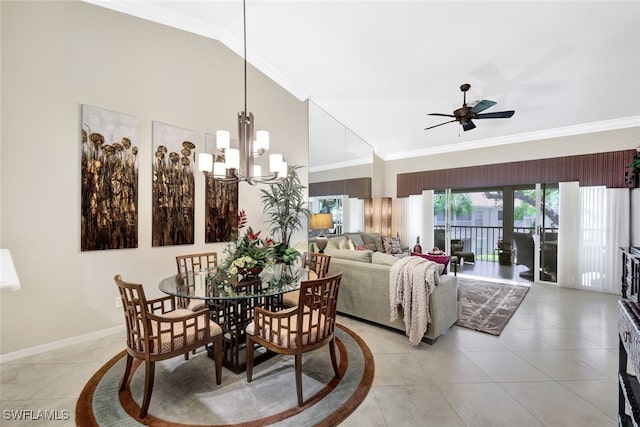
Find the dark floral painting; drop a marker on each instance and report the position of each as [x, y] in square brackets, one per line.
[221, 205]
[109, 173]
[173, 185]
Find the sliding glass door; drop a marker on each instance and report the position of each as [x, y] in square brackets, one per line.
[508, 232]
[536, 220]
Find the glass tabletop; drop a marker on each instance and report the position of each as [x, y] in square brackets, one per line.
[215, 284]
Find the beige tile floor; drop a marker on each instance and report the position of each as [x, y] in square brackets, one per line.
[554, 365]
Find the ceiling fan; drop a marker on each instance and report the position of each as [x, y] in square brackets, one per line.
[464, 114]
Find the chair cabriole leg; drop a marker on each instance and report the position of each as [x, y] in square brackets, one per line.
[332, 351]
[127, 372]
[150, 368]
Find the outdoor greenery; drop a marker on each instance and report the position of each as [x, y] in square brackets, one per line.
[461, 204]
[632, 171]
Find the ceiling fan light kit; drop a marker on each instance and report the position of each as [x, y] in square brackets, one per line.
[465, 114]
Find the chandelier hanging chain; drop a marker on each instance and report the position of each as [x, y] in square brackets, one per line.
[244, 38]
[235, 165]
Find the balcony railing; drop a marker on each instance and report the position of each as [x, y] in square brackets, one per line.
[483, 240]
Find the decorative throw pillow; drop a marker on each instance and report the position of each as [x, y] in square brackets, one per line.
[342, 244]
[339, 242]
[351, 245]
[357, 239]
[392, 245]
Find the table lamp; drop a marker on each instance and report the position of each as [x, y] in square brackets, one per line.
[322, 222]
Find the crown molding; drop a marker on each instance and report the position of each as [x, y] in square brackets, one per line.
[594, 127]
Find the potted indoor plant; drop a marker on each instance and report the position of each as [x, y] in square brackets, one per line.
[285, 205]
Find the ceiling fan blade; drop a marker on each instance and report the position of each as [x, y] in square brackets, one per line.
[468, 126]
[431, 127]
[496, 115]
[440, 114]
[482, 105]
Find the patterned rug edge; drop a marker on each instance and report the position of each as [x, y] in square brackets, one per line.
[523, 287]
[84, 405]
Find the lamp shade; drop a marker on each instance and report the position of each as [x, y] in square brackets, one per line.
[9, 281]
[205, 162]
[223, 138]
[321, 221]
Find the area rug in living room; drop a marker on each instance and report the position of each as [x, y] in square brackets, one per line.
[487, 306]
[185, 393]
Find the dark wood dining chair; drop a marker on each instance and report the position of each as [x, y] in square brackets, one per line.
[314, 261]
[317, 262]
[194, 263]
[297, 330]
[156, 330]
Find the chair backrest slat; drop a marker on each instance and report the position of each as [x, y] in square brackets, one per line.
[196, 262]
[317, 262]
[134, 303]
[317, 309]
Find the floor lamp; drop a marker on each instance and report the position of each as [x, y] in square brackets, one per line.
[322, 222]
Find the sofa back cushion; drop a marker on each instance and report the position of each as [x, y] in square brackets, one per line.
[361, 256]
[382, 258]
[370, 241]
[356, 238]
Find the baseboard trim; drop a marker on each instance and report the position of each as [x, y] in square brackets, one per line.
[56, 345]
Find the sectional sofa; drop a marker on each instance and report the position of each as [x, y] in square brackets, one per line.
[364, 290]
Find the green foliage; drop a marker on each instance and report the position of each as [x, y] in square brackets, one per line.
[460, 204]
[249, 251]
[290, 255]
[285, 205]
[632, 170]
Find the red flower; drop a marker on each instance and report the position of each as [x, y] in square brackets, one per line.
[253, 236]
[242, 219]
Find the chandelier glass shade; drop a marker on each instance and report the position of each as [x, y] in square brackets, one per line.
[238, 164]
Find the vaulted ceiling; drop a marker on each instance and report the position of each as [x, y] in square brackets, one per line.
[378, 67]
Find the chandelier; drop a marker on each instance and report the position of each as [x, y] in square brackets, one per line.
[238, 164]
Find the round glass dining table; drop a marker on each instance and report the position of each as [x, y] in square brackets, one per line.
[216, 285]
[232, 298]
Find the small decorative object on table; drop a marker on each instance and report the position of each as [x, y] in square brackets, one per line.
[417, 248]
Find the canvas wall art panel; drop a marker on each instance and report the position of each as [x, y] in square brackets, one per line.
[173, 185]
[109, 173]
[221, 205]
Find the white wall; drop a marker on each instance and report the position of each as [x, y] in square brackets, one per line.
[59, 55]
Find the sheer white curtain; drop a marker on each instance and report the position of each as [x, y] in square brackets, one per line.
[597, 225]
[407, 219]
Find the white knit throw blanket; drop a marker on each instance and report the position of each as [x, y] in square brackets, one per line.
[411, 281]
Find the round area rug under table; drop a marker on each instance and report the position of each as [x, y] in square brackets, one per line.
[185, 392]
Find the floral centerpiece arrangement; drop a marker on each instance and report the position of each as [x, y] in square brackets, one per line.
[251, 253]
